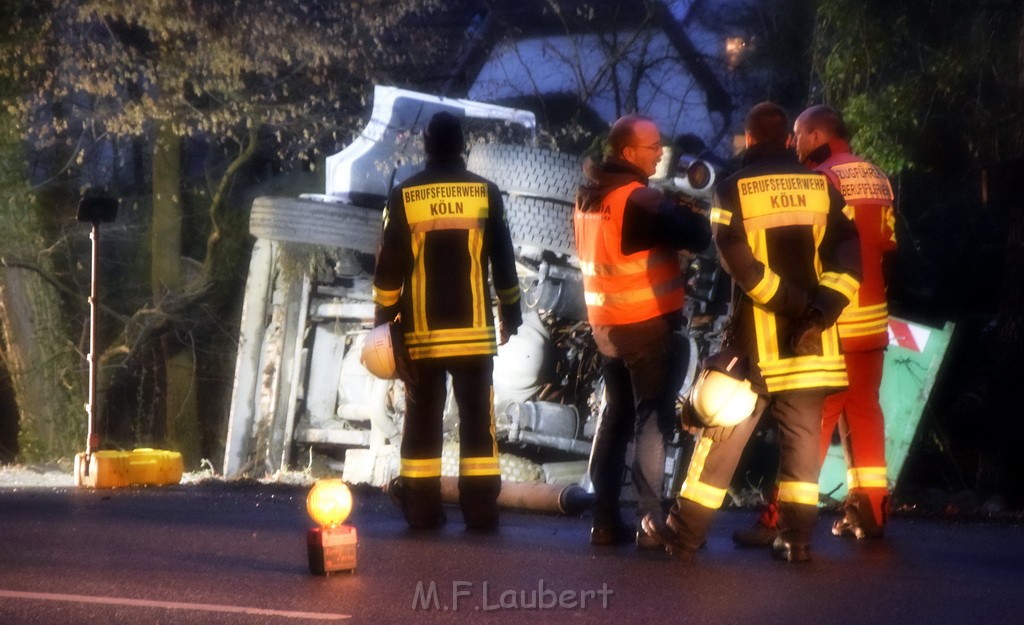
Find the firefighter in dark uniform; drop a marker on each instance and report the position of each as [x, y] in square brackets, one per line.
[794, 258]
[821, 140]
[628, 238]
[442, 228]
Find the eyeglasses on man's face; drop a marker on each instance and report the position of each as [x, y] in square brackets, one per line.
[656, 146]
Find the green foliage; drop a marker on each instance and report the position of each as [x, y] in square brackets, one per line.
[922, 80]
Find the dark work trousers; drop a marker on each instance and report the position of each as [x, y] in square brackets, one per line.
[422, 440]
[641, 390]
[713, 464]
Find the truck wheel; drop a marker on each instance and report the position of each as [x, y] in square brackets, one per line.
[541, 223]
[540, 189]
[530, 172]
[318, 222]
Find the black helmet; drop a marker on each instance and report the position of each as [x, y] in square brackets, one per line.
[443, 136]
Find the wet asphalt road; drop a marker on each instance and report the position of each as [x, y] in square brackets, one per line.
[236, 554]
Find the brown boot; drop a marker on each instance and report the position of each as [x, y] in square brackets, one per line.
[859, 518]
[659, 532]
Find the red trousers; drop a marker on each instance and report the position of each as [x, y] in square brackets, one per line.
[862, 429]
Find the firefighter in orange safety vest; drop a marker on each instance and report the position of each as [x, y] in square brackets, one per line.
[794, 257]
[628, 240]
[822, 143]
[444, 228]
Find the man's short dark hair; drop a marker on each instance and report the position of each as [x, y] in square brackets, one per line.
[767, 124]
[443, 138]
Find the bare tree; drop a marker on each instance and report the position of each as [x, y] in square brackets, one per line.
[277, 79]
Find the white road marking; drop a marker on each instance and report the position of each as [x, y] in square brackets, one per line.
[169, 605]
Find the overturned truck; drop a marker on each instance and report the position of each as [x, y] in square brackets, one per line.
[301, 394]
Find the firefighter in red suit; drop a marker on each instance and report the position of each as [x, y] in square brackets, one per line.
[821, 142]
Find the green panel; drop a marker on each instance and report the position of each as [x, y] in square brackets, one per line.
[907, 379]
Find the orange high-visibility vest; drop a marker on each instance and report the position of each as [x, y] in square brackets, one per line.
[623, 288]
[864, 323]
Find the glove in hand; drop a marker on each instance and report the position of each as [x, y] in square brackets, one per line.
[806, 339]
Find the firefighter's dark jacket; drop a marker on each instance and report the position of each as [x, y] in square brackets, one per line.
[442, 228]
[783, 236]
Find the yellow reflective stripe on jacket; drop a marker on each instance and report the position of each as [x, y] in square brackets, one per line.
[789, 218]
[765, 290]
[720, 216]
[867, 477]
[384, 297]
[475, 243]
[799, 492]
[863, 321]
[479, 466]
[841, 282]
[419, 283]
[428, 467]
[509, 295]
[455, 335]
[801, 372]
[453, 342]
[452, 350]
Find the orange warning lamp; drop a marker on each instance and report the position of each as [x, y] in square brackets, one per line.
[332, 546]
[329, 502]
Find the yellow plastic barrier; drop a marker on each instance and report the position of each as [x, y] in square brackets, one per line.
[139, 467]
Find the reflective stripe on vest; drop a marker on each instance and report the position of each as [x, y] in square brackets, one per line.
[864, 323]
[623, 288]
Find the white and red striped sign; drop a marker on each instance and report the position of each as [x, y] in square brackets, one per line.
[908, 335]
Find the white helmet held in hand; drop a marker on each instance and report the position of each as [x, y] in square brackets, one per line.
[721, 399]
[378, 352]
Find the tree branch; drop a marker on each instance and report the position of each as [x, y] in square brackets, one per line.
[53, 281]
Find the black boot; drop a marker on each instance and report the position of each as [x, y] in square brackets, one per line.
[796, 525]
[478, 498]
[420, 501]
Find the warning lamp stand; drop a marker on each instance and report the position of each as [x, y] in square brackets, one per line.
[107, 469]
[332, 545]
[331, 549]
